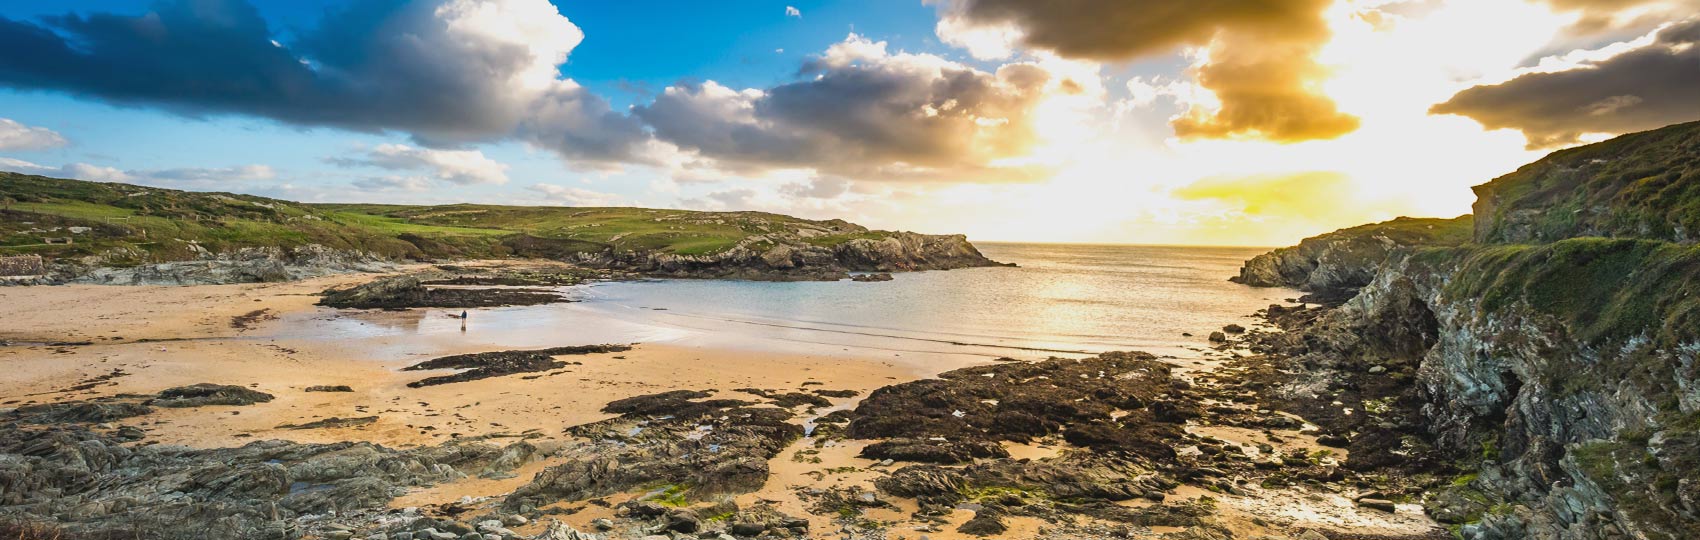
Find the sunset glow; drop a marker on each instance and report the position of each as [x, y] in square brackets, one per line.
[991, 122]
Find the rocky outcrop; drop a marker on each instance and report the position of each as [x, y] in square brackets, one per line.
[792, 257]
[402, 292]
[1334, 265]
[86, 481]
[203, 394]
[245, 265]
[485, 365]
[702, 448]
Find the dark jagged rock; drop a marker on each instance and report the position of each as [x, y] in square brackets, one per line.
[92, 486]
[1083, 477]
[869, 278]
[203, 394]
[984, 523]
[402, 292]
[122, 406]
[329, 388]
[1104, 402]
[706, 448]
[941, 452]
[477, 366]
[789, 400]
[94, 412]
[332, 422]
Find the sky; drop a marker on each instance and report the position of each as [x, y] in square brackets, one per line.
[1208, 122]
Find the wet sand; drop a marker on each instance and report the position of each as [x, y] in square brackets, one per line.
[272, 338]
[160, 337]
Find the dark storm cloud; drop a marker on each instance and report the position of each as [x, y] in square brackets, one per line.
[1261, 64]
[1645, 88]
[373, 65]
[864, 113]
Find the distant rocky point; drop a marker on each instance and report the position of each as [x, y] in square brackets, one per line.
[114, 233]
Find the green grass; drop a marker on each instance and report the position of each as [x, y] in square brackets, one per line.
[1642, 185]
[164, 225]
[672, 495]
[1602, 290]
[400, 226]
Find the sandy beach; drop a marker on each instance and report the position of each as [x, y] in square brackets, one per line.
[79, 342]
[159, 337]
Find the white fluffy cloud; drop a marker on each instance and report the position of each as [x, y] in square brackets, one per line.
[867, 113]
[572, 196]
[463, 167]
[243, 173]
[825, 187]
[446, 72]
[79, 171]
[206, 178]
[394, 183]
[17, 136]
[792, 11]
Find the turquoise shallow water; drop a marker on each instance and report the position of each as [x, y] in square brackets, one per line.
[1061, 300]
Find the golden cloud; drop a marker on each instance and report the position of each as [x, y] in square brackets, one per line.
[1261, 63]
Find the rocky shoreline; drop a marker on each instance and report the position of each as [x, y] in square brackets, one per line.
[759, 258]
[673, 465]
[1546, 365]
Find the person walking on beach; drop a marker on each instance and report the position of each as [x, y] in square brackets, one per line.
[463, 320]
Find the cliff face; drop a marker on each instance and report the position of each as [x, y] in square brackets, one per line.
[245, 265]
[1568, 388]
[1561, 378]
[783, 257]
[1338, 263]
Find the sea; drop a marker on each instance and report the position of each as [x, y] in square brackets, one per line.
[1059, 300]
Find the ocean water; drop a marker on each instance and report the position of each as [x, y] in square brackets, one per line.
[1061, 300]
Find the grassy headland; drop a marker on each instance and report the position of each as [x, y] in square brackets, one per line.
[157, 225]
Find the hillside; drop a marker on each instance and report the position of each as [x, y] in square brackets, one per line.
[1548, 361]
[1642, 185]
[112, 225]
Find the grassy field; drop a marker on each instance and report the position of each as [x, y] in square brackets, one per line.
[153, 224]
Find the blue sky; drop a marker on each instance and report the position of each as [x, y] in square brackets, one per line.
[1111, 121]
[632, 51]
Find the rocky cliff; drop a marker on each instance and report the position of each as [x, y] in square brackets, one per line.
[791, 257]
[1558, 381]
[245, 265]
[1334, 265]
